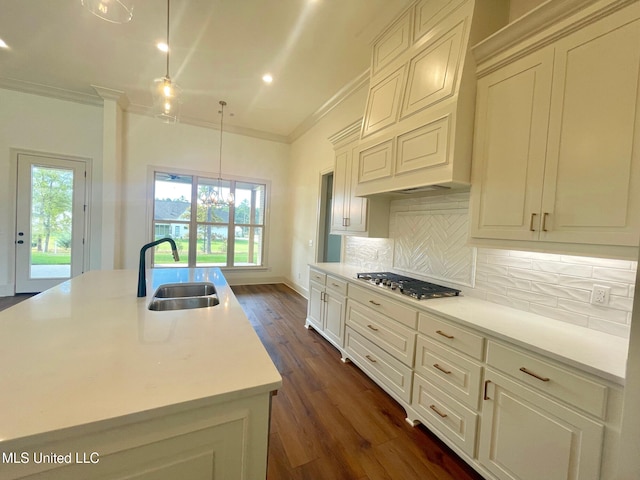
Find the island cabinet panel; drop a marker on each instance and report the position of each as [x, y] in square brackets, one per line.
[527, 436]
[209, 442]
[557, 158]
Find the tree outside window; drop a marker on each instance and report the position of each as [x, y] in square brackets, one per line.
[223, 235]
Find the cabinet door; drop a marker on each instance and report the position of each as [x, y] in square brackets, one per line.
[334, 318]
[525, 436]
[510, 143]
[316, 305]
[592, 176]
[357, 206]
[339, 199]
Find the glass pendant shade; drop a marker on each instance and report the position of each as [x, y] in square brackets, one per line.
[167, 99]
[115, 11]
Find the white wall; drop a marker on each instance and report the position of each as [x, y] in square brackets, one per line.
[150, 143]
[311, 155]
[47, 125]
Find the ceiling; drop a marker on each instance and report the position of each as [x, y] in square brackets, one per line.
[219, 51]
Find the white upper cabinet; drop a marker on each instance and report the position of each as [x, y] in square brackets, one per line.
[418, 121]
[557, 144]
[351, 215]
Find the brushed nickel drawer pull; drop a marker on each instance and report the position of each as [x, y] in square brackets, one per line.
[374, 303]
[440, 332]
[371, 327]
[448, 372]
[535, 375]
[533, 215]
[435, 409]
[335, 285]
[368, 357]
[544, 221]
[486, 385]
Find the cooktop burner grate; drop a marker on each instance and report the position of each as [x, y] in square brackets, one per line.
[412, 287]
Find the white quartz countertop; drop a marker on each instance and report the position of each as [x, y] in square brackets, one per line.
[593, 352]
[89, 350]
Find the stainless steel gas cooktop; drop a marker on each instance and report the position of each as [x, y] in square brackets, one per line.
[412, 287]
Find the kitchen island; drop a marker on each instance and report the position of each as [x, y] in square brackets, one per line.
[95, 385]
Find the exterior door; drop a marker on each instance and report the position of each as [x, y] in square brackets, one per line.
[50, 221]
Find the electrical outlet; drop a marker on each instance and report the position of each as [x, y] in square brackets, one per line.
[600, 295]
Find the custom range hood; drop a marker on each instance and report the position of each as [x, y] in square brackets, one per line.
[417, 130]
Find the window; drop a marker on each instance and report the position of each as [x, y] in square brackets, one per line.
[221, 235]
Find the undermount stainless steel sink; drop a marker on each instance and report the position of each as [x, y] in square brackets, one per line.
[183, 303]
[184, 296]
[177, 290]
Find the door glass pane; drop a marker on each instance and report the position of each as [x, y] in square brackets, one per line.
[248, 246]
[51, 222]
[212, 245]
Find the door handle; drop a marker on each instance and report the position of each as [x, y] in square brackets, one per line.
[20, 242]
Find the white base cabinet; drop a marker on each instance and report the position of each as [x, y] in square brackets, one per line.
[326, 308]
[526, 436]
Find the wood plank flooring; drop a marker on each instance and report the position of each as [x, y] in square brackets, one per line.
[329, 420]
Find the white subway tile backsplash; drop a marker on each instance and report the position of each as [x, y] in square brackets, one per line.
[561, 315]
[577, 270]
[615, 274]
[611, 328]
[552, 285]
[561, 292]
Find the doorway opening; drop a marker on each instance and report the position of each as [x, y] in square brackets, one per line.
[329, 246]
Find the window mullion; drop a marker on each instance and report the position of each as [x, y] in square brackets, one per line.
[231, 234]
[193, 222]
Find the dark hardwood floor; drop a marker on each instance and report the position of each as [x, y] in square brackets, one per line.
[329, 420]
[6, 302]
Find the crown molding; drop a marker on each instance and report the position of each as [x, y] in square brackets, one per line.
[347, 133]
[109, 94]
[48, 91]
[247, 132]
[541, 26]
[342, 94]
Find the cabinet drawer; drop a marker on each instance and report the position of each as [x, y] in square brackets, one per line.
[317, 276]
[547, 378]
[458, 423]
[336, 284]
[389, 335]
[453, 336]
[381, 304]
[388, 372]
[457, 375]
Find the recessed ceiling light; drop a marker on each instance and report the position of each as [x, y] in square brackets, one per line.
[267, 78]
[163, 47]
[3, 44]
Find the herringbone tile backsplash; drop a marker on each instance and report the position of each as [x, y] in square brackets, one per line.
[428, 239]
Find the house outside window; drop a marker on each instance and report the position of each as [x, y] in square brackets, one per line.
[221, 235]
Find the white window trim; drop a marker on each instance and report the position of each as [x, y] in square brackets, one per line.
[151, 171]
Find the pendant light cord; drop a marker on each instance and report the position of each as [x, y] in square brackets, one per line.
[168, 49]
[222, 104]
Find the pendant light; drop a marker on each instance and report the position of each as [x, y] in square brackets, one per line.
[215, 196]
[114, 11]
[167, 92]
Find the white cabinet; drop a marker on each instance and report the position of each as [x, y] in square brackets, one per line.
[326, 308]
[557, 153]
[351, 215]
[562, 413]
[381, 339]
[418, 120]
[527, 436]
